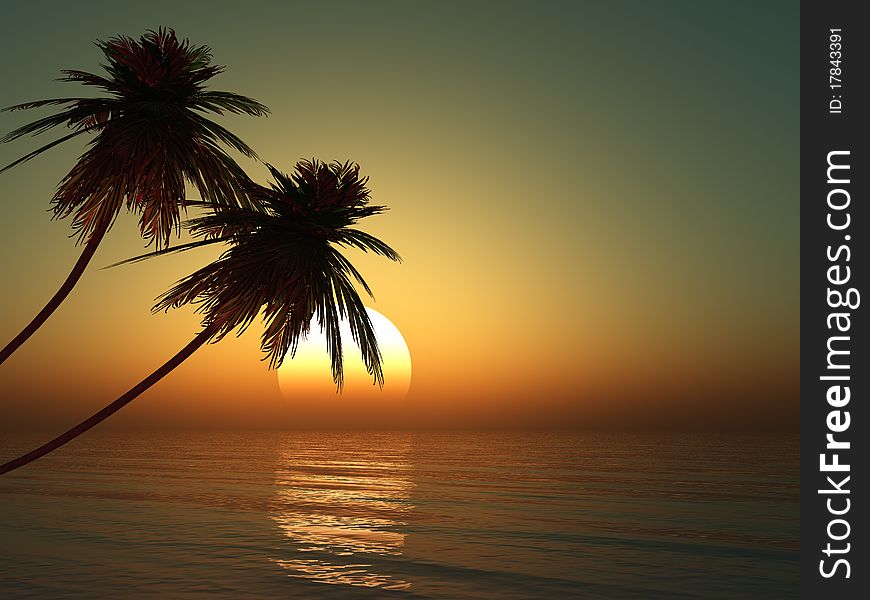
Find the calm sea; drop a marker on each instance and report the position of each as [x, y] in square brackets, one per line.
[403, 515]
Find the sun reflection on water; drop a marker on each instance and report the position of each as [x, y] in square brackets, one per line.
[344, 511]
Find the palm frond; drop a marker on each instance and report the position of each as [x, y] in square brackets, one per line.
[171, 250]
[365, 242]
[42, 149]
[219, 102]
[41, 103]
[217, 133]
[85, 78]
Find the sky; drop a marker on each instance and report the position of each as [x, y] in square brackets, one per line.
[596, 202]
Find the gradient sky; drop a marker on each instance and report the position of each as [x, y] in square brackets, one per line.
[597, 204]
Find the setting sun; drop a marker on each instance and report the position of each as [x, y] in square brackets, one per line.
[307, 379]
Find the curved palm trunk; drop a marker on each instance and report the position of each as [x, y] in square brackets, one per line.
[59, 296]
[114, 407]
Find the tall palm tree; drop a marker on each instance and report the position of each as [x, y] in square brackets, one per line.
[151, 137]
[284, 260]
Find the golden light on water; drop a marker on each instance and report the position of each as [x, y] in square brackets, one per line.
[307, 377]
[346, 512]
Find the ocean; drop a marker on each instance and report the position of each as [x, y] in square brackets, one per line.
[402, 515]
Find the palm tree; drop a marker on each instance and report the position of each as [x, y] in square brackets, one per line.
[151, 137]
[284, 260]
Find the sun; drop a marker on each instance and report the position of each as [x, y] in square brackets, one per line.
[307, 377]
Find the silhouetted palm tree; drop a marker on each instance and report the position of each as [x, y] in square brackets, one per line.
[151, 137]
[284, 260]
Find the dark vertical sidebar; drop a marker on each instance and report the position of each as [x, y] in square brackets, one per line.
[835, 225]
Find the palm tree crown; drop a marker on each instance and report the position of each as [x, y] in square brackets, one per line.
[152, 135]
[284, 259]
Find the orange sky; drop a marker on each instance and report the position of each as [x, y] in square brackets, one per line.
[574, 254]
